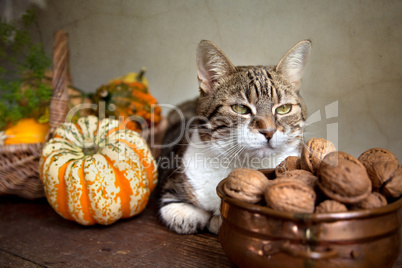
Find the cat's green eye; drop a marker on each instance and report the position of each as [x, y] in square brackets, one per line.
[284, 109]
[241, 109]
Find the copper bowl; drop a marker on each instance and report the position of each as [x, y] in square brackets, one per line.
[257, 236]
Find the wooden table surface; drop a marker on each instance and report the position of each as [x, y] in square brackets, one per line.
[33, 235]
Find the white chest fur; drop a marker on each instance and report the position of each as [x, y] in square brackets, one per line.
[205, 168]
[204, 171]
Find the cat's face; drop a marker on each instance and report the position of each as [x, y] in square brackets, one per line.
[254, 110]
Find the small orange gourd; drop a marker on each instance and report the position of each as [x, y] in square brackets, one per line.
[127, 98]
[97, 171]
[26, 130]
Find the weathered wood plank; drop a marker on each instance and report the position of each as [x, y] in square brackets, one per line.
[8, 259]
[35, 233]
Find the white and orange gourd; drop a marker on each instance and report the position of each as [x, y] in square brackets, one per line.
[97, 171]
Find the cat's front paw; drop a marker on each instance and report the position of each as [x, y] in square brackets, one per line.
[184, 218]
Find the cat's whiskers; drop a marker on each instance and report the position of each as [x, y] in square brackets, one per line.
[230, 151]
[218, 144]
[235, 154]
[212, 148]
[231, 147]
[228, 144]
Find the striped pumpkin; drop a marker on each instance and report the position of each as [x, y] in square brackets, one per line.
[97, 171]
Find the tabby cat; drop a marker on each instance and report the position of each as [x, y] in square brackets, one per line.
[245, 116]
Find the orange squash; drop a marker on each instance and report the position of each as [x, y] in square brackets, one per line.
[97, 171]
[26, 130]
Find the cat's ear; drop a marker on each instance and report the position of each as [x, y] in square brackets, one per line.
[212, 65]
[291, 66]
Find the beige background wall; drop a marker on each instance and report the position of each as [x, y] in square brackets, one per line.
[352, 84]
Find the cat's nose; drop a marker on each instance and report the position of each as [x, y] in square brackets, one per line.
[268, 133]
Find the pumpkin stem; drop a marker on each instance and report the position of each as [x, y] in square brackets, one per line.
[90, 150]
[141, 74]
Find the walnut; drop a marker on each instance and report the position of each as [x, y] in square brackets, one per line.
[290, 196]
[300, 175]
[374, 200]
[290, 163]
[372, 156]
[313, 152]
[381, 172]
[346, 156]
[342, 178]
[329, 206]
[246, 185]
[393, 187]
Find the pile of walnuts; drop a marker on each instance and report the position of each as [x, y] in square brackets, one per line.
[322, 180]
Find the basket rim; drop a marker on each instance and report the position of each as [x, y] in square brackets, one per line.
[14, 147]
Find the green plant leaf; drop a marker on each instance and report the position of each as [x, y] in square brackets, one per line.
[25, 63]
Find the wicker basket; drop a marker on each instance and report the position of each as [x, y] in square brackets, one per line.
[19, 171]
[19, 164]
